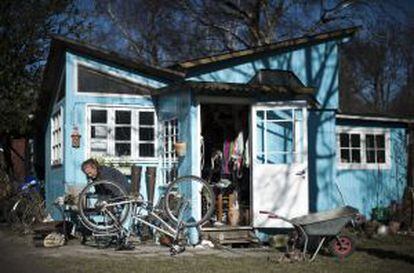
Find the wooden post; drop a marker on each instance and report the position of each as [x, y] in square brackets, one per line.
[135, 180]
[219, 205]
[150, 179]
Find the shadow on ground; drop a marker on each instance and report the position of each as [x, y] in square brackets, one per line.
[387, 254]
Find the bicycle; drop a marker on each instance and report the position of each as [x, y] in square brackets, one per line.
[187, 203]
[27, 207]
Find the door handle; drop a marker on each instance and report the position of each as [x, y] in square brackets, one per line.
[301, 173]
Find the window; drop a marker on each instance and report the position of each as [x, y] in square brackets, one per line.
[56, 138]
[122, 132]
[95, 81]
[363, 148]
[170, 161]
[279, 135]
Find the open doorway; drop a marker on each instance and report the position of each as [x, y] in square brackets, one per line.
[226, 161]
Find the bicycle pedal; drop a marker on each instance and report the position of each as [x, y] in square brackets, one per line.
[176, 249]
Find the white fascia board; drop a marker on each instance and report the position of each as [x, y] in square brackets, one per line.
[365, 118]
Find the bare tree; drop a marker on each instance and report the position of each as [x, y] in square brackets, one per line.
[376, 71]
[259, 22]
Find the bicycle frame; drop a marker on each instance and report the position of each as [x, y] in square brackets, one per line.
[135, 213]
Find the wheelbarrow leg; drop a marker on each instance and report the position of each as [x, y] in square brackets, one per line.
[305, 246]
[317, 250]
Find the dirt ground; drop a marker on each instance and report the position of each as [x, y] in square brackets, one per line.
[383, 254]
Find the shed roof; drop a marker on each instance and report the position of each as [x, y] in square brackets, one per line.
[62, 44]
[277, 77]
[281, 92]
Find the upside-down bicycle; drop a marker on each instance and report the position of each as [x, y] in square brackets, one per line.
[187, 203]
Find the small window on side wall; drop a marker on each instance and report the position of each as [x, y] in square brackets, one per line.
[363, 148]
[57, 138]
[94, 81]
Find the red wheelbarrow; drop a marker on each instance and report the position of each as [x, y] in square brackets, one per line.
[325, 227]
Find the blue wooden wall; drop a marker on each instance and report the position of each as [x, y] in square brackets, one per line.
[366, 189]
[316, 66]
[74, 106]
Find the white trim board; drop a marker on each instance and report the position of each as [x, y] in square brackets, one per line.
[365, 118]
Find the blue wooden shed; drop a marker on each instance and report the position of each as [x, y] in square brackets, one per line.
[271, 114]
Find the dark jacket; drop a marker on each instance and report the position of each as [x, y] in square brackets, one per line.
[113, 175]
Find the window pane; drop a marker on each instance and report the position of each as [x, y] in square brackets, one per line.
[122, 149]
[280, 158]
[146, 133]
[123, 133]
[123, 117]
[92, 80]
[381, 156]
[355, 140]
[370, 156]
[279, 137]
[370, 141]
[99, 132]
[99, 146]
[345, 156]
[146, 150]
[146, 118]
[344, 140]
[279, 114]
[356, 155]
[98, 116]
[380, 141]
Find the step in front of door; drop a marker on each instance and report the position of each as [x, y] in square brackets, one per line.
[230, 236]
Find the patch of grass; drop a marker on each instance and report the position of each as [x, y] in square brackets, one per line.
[390, 254]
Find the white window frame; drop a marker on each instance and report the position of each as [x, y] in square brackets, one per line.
[135, 127]
[363, 131]
[56, 137]
[117, 73]
[297, 134]
[170, 134]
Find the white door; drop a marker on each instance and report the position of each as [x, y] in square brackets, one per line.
[279, 158]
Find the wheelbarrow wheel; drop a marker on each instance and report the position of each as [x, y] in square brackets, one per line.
[342, 246]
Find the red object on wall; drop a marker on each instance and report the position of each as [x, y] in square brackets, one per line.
[18, 158]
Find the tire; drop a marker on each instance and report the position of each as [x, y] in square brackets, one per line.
[175, 201]
[342, 246]
[35, 211]
[93, 217]
[17, 211]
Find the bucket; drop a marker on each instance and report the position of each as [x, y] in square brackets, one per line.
[180, 148]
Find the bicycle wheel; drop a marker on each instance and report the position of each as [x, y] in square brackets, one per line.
[17, 212]
[189, 200]
[103, 207]
[35, 211]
